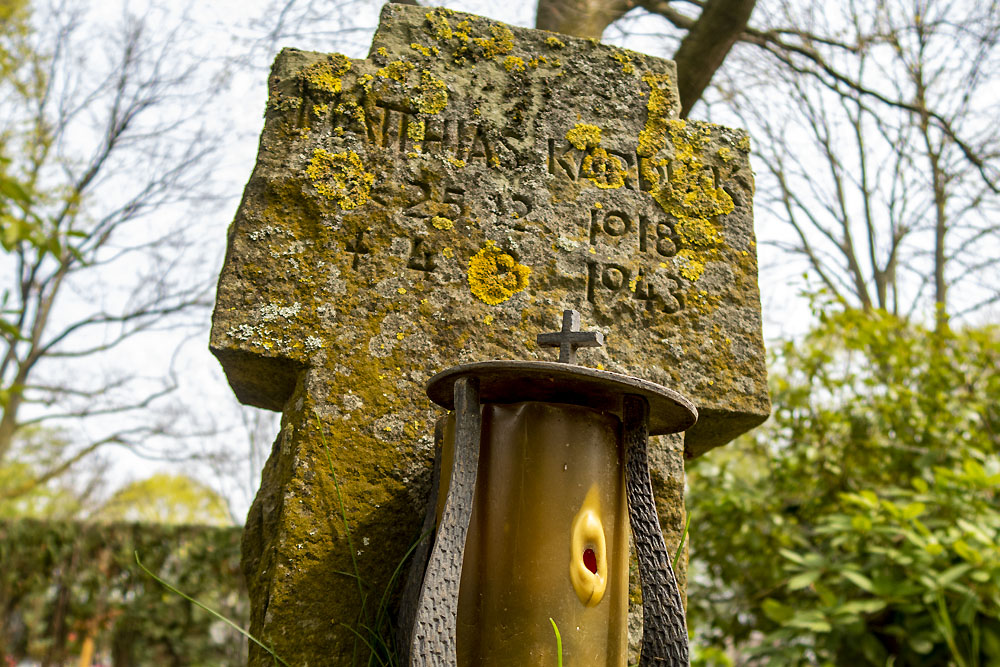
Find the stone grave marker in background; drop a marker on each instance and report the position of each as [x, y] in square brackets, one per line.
[443, 201]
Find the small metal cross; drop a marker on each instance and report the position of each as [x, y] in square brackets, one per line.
[570, 338]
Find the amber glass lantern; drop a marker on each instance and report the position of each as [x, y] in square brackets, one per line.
[543, 473]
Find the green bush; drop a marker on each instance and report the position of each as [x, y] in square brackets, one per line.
[64, 582]
[860, 525]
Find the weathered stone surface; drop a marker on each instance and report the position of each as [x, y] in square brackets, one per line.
[443, 202]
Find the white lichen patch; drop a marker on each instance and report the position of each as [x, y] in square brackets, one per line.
[393, 329]
[270, 312]
[568, 244]
[334, 283]
[351, 402]
[242, 332]
[264, 232]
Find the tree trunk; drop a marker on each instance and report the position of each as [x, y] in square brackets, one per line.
[701, 53]
[706, 45]
[580, 18]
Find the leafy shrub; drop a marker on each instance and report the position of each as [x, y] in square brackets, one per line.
[861, 525]
[63, 584]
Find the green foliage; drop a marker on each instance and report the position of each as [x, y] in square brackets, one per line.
[25, 492]
[64, 582]
[163, 498]
[173, 589]
[99, 130]
[861, 525]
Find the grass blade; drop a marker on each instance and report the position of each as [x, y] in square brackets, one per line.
[219, 616]
[680, 547]
[555, 628]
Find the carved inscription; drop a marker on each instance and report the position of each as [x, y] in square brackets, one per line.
[427, 201]
[653, 236]
[357, 248]
[566, 161]
[609, 279]
[394, 128]
[421, 258]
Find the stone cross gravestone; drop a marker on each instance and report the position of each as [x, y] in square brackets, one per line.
[440, 202]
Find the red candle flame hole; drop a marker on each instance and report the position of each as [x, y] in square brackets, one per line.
[590, 560]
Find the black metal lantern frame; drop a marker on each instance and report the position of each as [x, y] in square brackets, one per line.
[645, 408]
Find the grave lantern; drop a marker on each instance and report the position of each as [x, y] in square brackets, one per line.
[543, 474]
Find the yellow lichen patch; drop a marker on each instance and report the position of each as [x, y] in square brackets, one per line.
[455, 162]
[325, 76]
[382, 52]
[653, 137]
[320, 109]
[744, 143]
[691, 266]
[442, 223]
[494, 276]
[725, 154]
[697, 232]
[691, 195]
[396, 70]
[421, 49]
[703, 301]
[584, 136]
[624, 59]
[340, 177]
[537, 60]
[603, 170]
[500, 43]
[439, 24]
[415, 130]
[352, 109]
[466, 43]
[555, 42]
[433, 94]
[513, 64]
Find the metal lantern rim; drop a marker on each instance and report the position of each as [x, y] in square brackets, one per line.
[506, 381]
